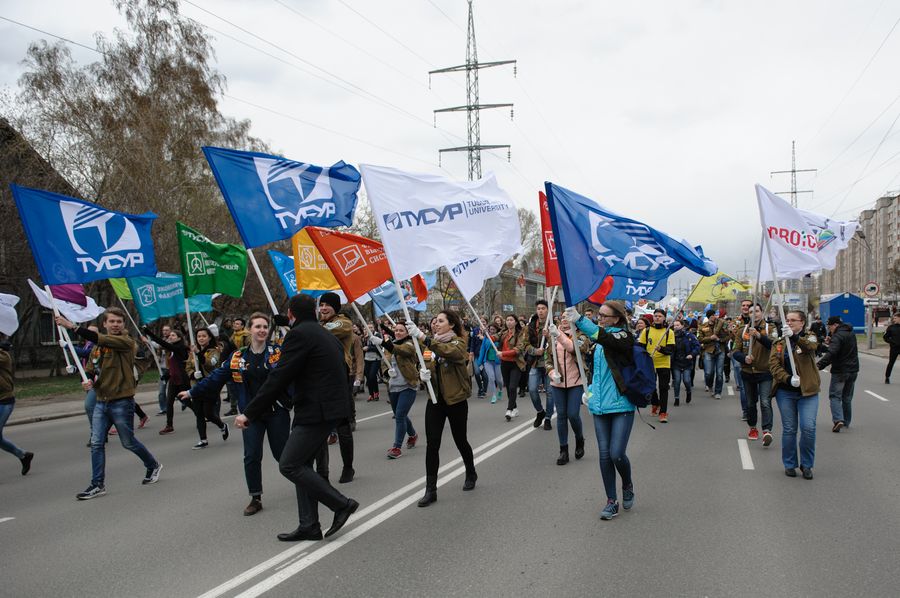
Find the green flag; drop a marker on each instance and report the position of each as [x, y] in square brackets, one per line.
[120, 286]
[208, 267]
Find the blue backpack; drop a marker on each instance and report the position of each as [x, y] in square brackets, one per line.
[639, 377]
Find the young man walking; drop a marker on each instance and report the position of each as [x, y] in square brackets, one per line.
[659, 340]
[843, 358]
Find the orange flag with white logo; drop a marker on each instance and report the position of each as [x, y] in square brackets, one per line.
[357, 263]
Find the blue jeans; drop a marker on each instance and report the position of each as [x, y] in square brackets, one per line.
[537, 376]
[568, 407]
[680, 375]
[278, 427]
[840, 395]
[6, 445]
[161, 397]
[90, 399]
[739, 382]
[119, 413]
[401, 403]
[612, 432]
[714, 371]
[797, 410]
[758, 388]
[494, 377]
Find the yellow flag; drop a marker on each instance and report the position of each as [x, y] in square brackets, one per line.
[720, 287]
[309, 265]
[120, 287]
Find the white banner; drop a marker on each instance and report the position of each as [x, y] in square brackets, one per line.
[71, 311]
[427, 221]
[469, 276]
[791, 240]
[9, 320]
[832, 236]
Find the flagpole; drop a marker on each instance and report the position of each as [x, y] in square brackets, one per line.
[133, 323]
[795, 378]
[547, 326]
[65, 335]
[203, 318]
[262, 282]
[477, 319]
[190, 325]
[70, 369]
[415, 340]
[755, 293]
[579, 358]
[368, 332]
[669, 324]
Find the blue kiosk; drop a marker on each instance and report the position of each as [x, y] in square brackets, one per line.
[848, 306]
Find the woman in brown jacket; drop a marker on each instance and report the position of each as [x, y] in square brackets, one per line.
[452, 386]
[513, 340]
[403, 381]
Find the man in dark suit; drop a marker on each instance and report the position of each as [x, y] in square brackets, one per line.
[312, 360]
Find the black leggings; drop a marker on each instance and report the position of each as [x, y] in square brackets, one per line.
[205, 411]
[371, 372]
[172, 391]
[895, 351]
[661, 396]
[435, 415]
[512, 376]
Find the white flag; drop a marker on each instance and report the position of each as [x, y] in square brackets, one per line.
[469, 276]
[792, 243]
[70, 311]
[427, 221]
[832, 236]
[9, 321]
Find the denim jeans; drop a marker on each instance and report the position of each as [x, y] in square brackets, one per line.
[277, 426]
[797, 410]
[612, 432]
[840, 395]
[758, 388]
[680, 375]
[736, 368]
[494, 377]
[568, 407]
[163, 382]
[401, 403]
[714, 371]
[90, 399]
[119, 413]
[5, 411]
[536, 377]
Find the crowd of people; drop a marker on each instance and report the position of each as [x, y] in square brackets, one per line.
[315, 360]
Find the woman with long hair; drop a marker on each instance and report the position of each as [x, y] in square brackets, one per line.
[403, 381]
[512, 362]
[372, 360]
[452, 387]
[566, 385]
[204, 407]
[176, 358]
[488, 359]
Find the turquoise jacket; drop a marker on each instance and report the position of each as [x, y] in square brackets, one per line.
[613, 347]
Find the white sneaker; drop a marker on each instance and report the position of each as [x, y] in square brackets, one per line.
[515, 413]
[717, 396]
[508, 415]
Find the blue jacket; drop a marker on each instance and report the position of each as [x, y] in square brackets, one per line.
[212, 384]
[613, 349]
[486, 353]
[685, 344]
[475, 342]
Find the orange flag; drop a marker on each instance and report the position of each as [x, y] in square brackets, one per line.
[357, 263]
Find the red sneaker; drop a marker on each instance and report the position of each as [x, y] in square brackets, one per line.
[411, 441]
[753, 434]
[166, 430]
[113, 432]
[654, 410]
[394, 453]
[332, 438]
[143, 423]
[663, 418]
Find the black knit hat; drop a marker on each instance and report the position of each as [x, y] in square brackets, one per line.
[333, 300]
[835, 320]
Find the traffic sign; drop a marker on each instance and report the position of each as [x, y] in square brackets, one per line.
[871, 289]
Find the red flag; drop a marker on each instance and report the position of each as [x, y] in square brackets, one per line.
[600, 294]
[551, 266]
[420, 288]
[73, 293]
[358, 264]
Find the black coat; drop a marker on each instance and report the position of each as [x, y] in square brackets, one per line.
[312, 359]
[892, 336]
[842, 353]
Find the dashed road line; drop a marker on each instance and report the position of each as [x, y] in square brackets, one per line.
[879, 397]
[365, 419]
[744, 449]
[730, 390]
[5, 519]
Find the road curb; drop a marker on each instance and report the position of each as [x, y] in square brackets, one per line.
[49, 417]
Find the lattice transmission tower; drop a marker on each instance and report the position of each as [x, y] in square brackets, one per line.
[473, 108]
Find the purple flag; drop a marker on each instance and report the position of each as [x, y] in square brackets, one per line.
[73, 293]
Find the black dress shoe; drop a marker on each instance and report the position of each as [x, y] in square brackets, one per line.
[347, 475]
[807, 473]
[790, 472]
[341, 517]
[469, 484]
[26, 462]
[312, 534]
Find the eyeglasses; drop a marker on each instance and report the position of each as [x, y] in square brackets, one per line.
[793, 320]
[599, 315]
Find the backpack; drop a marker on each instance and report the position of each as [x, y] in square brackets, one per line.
[639, 377]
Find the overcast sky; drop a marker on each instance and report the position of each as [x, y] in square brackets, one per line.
[666, 111]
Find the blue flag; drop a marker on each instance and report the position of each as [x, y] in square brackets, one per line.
[593, 242]
[284, 265]
[162, 296]
[272, 198]
[632, 289]
[386, 300]
[77, 241]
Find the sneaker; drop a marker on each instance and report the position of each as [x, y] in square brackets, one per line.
[394, 453]
[609, 511]
[113, 432]
[92, 491]
[707, 389]
[807, 472]
[411, 441]
[547, 424]
[687, 399]
[790, 472]
[201, 445]
[26, 462]
[663, 418]
[224, 431]
[654, 410]
[676, 403]
[628, 498]
[332, 438]
[158, 413]
[837, 426]
[515, 412]
[152, 475]
[887, 380]
[767, 438]
[166, 430]
[253, 508]
[753, 434]
[495, 398]
[370, 399]
[508, 414]
[143, 422]
[743, 416]
[717, 396]
[539, 418]
[727, 379]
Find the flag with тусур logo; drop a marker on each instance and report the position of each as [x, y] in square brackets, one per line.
[208, 267]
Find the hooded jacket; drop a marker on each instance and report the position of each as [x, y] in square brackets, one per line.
[842, 354]
[685, 344]
[612, 351]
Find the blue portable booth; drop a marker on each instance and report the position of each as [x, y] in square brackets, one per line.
[848, 306]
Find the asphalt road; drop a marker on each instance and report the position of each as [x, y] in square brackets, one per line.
[703, 524]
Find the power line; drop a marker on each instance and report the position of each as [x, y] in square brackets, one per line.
[65, 39]
[863, 132]
[379, 28]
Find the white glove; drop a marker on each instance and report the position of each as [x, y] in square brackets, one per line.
[795, 381]
[392, 373]
[585, 398]
[62, 343]
[786, 331]
[414, 331]
[375, 340]
[70, 369]
[424, 374]
[554, 331]
[571, 314]
[198, 374]
[555, 377]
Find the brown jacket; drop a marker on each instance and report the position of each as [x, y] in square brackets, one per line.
[209, 360]
[112, 359]
[407, 361]
[449, 371]
[7, 388]
[759, 352]
[519, 343]
[341, 326]
[804, 348]
[715, 329]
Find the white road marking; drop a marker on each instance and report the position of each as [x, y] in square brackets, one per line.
[414, 486]
[746, 459]
[5, 519]
[326, 549]
[879, 397]
[365, 419]
[730, 390]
